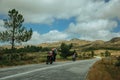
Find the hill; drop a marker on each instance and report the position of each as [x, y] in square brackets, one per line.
[84, 45]
[99, 46]
[76, 43]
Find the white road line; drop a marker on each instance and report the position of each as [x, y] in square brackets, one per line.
[40, 69]
[18, 67]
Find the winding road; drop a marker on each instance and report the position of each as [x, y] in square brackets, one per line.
[68, 70]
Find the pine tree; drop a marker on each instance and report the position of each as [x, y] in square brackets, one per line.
[15, 32]
[65, 50]
[92, 53]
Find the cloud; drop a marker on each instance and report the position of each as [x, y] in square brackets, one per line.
[95, 20]
[45, 11]
[111, 9]
[41, 11]
[92, 30]
[92, 26]
[1, 26]
[54, 35]
[1, 23]
[51, 36]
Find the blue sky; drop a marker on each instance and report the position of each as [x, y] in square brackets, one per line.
[56, 20]
[107, 0]
[58, 24]
[117, 29]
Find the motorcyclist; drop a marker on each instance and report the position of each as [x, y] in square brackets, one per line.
[49, 57]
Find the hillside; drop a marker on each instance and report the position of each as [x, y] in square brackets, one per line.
[98, 46]
[113, 44]
[84, 45]
[75, 42]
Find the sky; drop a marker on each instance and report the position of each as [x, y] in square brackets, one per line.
[56, 20]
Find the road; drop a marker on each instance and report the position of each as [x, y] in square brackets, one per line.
[57, 71]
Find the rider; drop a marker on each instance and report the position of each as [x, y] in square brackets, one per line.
[74, 56]
[54, 51]
[49, 57]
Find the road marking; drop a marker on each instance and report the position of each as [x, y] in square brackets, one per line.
[18, 67]
[40, 69]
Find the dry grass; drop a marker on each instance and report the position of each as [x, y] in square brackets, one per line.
[113, 52]
[57, 44]
[104, 70]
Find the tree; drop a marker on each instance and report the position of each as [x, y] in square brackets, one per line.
[70, 46]
[102, 54]
[107, 54]
[65, 50]
[92, 53]
[117, 63]
[15, 32]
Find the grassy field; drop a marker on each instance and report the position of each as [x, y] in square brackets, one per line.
[104, 69]
[28, 58]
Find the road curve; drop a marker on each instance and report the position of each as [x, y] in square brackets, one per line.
[57, 71]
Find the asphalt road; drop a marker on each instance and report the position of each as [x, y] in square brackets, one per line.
[57, 71]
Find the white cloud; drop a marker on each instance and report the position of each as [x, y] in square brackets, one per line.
[95, 20]
[111, 9]
[1, 22]
[1, 26]
[44, 11]
[92, 30]
[51, 36]
[41, 11]
[92, 26]
[54, 35]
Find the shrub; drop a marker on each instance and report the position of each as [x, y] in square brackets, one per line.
[65, 50]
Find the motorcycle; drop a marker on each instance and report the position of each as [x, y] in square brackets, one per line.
[49, 60]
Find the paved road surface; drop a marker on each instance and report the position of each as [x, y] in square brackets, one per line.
[57, 71]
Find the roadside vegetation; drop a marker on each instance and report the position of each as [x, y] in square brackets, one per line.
[34, 54]
[21, 56]
[108, 68]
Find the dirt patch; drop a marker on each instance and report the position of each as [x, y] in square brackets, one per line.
[104, 70]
